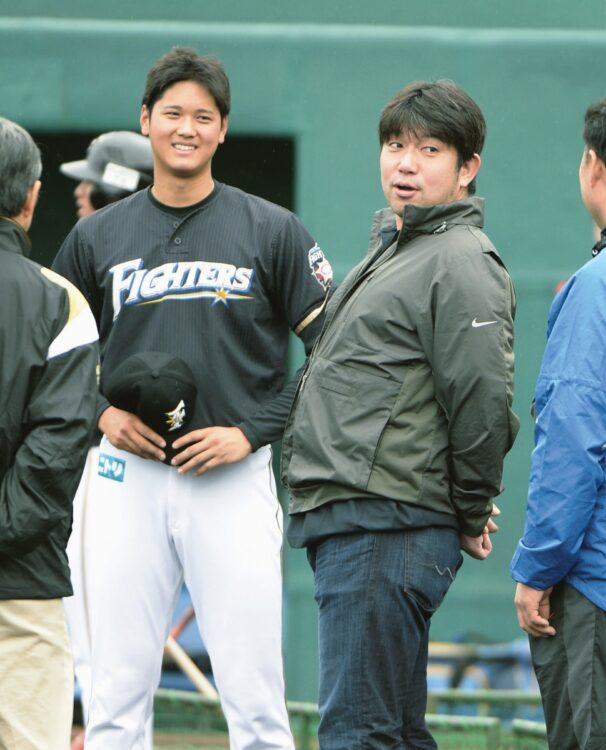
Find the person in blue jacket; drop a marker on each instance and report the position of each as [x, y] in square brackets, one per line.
[560, 562]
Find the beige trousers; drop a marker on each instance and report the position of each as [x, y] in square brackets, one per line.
[36, 676]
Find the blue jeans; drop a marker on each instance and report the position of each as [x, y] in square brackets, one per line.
[376, 593]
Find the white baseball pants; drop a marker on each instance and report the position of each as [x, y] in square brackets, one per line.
[76, 606]
[222, 533]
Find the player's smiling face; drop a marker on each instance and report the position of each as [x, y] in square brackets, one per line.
[423, 171]
[184, 128]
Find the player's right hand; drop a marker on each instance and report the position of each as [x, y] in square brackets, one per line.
[534, 610]
[127, 432]
[478, 547]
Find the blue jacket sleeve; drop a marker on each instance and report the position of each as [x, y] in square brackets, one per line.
[570, 431]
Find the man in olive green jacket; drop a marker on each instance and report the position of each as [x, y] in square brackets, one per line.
[394, 448]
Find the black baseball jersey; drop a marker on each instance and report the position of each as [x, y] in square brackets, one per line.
[219, 286]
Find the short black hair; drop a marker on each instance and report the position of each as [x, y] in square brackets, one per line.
[594, 132]
[20, 167]
[438, 109]
[185, 64]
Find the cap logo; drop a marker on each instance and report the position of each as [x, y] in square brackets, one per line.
[120, 177]
[158, 387]
[176, 417]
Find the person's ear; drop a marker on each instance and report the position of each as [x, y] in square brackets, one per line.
[596, 167]
[27, 212]
[469, 170]
[224, 124]
[144, 120]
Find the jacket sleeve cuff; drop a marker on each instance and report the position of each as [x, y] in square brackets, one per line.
[539, 568]
[472, 515]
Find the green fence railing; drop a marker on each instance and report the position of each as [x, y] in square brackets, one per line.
[186, 720]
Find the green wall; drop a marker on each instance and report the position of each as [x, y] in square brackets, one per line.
[532, 14]
[323, 85]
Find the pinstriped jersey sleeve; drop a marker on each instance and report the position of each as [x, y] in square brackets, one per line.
[302, 281]
[302, 278]
[38, 489]
[73, 262]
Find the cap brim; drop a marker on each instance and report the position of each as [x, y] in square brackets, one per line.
[79, 170]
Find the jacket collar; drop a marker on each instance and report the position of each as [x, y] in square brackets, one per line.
[430, 219]
[600, 244]
[13, 238]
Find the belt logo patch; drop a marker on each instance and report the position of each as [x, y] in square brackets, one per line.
[111, 467]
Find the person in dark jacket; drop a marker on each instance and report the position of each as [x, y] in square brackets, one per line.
[560, 562]
[48, 386]
[394, 448]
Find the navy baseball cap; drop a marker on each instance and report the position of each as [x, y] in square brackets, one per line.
[159, 388]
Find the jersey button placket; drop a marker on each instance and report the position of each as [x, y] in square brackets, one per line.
[176, 244]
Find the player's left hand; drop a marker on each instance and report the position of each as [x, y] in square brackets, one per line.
[210, 447]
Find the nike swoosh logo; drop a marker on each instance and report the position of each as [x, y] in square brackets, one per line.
[476, 324]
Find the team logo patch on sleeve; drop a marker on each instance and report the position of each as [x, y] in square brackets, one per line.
[321, 269]
[111, 467]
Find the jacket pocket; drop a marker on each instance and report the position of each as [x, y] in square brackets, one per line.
[340, 416]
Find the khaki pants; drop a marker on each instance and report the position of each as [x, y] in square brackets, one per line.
[36, 676]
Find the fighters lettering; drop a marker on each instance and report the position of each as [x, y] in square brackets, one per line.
[133, 285]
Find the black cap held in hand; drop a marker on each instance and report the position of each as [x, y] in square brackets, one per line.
[158, 387]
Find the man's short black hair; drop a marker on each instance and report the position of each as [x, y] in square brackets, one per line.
[436, 109]
[185, 64]
[594, 132]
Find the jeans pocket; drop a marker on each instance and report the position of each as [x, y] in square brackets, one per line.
[433, 559]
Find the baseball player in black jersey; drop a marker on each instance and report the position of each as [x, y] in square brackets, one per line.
[117, 164]
[216, 278]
